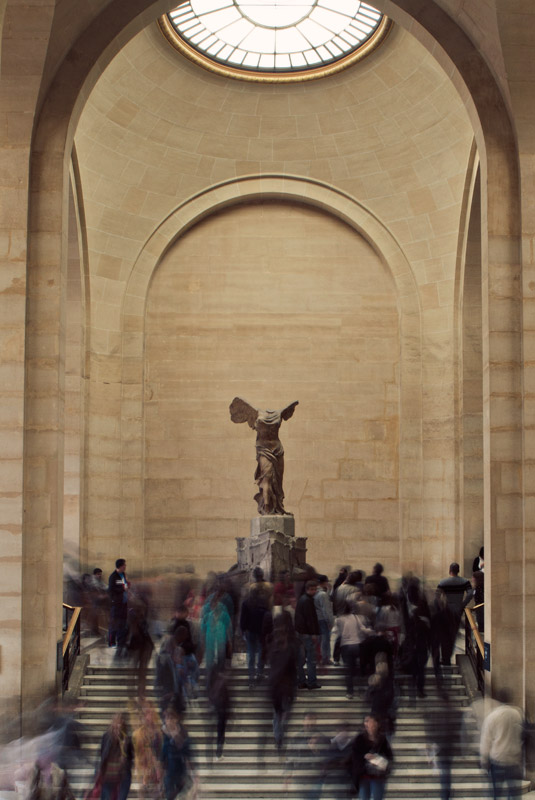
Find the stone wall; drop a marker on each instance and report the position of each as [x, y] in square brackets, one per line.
[272, 302]
[157, 134]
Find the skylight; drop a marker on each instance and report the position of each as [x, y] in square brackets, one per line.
[274, 37]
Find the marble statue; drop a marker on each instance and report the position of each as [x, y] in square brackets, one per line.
[269, 452]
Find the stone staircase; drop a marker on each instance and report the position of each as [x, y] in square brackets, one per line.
[252, 767]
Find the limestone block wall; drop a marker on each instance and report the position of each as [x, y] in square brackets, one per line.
[157, 132]
[272, 302]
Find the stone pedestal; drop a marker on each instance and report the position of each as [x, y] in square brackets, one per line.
[273, 546]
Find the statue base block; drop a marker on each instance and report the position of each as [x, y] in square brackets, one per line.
[280, 523]
[273, 546]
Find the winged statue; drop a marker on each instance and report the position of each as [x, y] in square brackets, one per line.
[269, 452]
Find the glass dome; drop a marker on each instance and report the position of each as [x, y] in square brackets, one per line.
[271, 39]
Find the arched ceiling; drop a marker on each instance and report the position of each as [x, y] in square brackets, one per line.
[391, 132]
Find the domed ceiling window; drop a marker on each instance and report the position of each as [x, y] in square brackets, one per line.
[275, 39]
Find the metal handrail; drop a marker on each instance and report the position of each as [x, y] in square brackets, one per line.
[475, 629]
[476, 655]
[71, 643]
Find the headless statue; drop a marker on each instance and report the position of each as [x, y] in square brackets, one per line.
[269, 452]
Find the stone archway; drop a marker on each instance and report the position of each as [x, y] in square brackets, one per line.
[354, 214]
[61, 103]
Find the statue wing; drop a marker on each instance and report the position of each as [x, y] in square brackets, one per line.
[287, 412]
[242, 411]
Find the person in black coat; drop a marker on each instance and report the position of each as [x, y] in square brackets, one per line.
[371, 759]
[254, 608]
[118, 593]
[307, 629]
[282, 652]
[377, 582]
[417, 621]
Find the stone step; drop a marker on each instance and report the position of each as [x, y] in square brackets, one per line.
[96, 719]
[327, 687]
[252, 767]
[238, 760]
[332, 790]
[240, 674]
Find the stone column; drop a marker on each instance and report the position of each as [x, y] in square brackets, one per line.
[502, 424]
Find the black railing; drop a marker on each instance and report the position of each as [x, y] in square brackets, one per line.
[473, 646]
[71, 642]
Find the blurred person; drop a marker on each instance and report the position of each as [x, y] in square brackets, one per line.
[307, 629]
[284, 591]
[177, 760]
[167, 684]
[282, 678]
[371, 760]
[443, 735]
[147, 741]
[232, 586]
[68, 752]
[456, 588]
[116, 760]
[99, 600]
[352, 630]
[182, 638]
[254, 608]
[301, 579]
[381, 693]
[364, 603]
[218, 694]
[417, 623]
[216, 633]
[349, 591]
[48, 781]
[501, 747]
[338, 756]
[444, 626]
[377, 582]
[306, 756]
[388, 620]
[118, 586]
[477, 595]
[261, 585]
[340, 578]
[139, 642]
[324, 610]
[219, 589]
[86, 602]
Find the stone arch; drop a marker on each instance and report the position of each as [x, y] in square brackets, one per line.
[356, 216]
[77, 66]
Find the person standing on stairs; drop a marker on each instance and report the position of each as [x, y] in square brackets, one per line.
[118, 586]
[307, 629]
[216, 633]
[352, 630]
[324, 610]
[254, 608]
[282, 653]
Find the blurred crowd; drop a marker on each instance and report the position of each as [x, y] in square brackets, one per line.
[291, 631]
